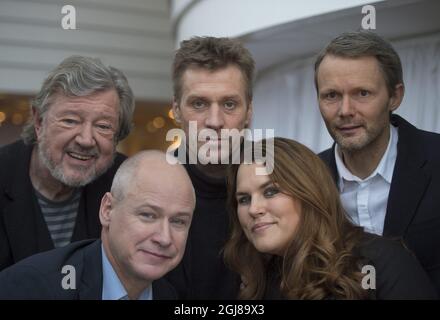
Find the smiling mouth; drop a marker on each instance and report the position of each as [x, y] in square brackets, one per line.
[78, 156]
[262, 226]
[157, 255]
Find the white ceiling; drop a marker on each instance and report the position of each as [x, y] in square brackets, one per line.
[395, 19]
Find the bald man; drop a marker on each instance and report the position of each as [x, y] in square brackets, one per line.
[145, 221]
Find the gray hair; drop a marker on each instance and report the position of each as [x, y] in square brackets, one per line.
[361, 44]
[80, 76]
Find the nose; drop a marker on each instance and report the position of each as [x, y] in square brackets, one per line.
[85, 137]
[215, 117]
[162, 236]
[257, 208]
[346, 109]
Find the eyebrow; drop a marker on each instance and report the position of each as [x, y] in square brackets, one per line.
[232, 97]
[150, 206]
[71, 111]
[327, 89]
[160, 210]
[196, 96]
[264, 185]
[183, 214]
[203, 97]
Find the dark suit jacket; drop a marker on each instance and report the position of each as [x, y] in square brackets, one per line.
[23, 230]
[413, 209]
[40, 276]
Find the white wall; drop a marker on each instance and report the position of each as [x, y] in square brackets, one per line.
[285, 97]
[132, 35]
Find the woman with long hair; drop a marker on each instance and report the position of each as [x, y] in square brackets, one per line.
[290, 237]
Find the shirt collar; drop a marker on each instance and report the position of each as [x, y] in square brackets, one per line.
[385, 167]
[112, 288]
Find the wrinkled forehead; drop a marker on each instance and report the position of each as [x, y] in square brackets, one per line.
[160, 201]
[333, 62]
[108, 100]
[230, 74]
[334, 70]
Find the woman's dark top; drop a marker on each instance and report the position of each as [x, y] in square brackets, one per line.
[396, 271]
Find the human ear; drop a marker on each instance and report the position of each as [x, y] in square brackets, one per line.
[37, 119]
[397, 97]
[105, 209]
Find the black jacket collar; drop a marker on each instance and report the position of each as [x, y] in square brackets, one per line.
[410, 179]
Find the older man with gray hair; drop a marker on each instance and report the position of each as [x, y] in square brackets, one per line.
[53, 179]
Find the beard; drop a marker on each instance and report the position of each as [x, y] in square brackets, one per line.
[353, 143]
[367, 136]
[85, 174]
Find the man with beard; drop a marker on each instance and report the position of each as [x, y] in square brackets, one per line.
[52, 180]
[212, 92]
[387, 171]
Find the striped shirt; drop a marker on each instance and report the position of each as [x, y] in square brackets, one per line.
[60, 217]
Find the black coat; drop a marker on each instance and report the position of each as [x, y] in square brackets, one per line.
[413, 208]
[41, 276]
[202, 274]
[23, 230]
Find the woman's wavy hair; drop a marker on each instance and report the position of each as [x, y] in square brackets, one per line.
[321, 261]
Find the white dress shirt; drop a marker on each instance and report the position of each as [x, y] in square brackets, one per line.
[365, 200]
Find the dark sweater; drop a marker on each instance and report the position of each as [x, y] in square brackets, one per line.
[202, 273]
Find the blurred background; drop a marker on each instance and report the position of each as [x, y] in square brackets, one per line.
[140, 36]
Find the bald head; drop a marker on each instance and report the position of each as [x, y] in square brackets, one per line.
[150, 167]
[146, 218]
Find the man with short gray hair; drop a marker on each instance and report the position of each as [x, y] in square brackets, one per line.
[386, 169]
[53, 179]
